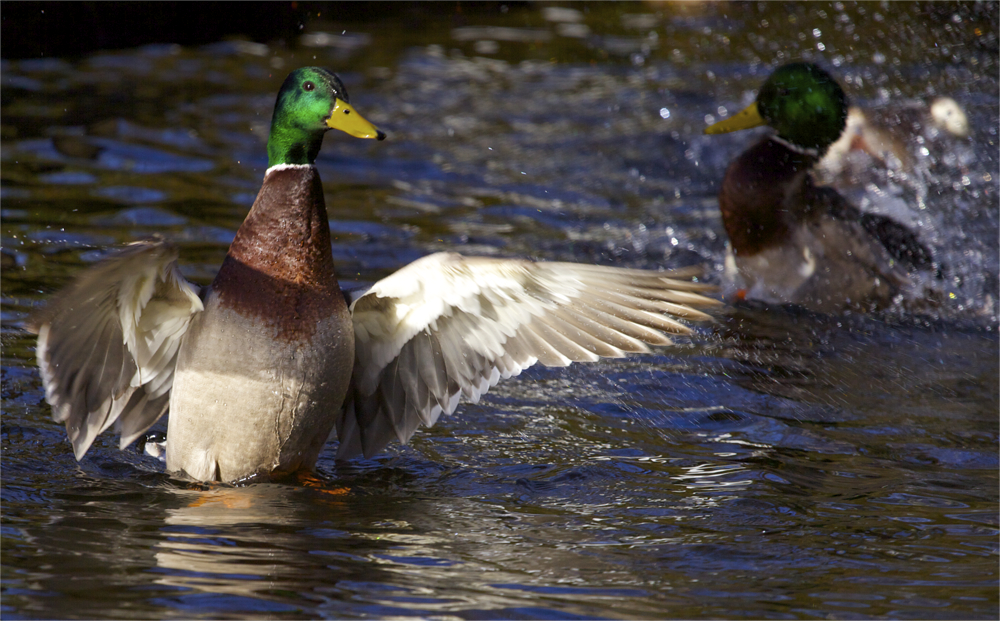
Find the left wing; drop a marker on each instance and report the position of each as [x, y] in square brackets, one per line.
[448, 325]
[901, 243]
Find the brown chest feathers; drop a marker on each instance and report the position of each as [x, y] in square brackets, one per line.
[763, 195]
[279, 268]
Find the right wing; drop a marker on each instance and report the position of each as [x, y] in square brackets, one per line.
[107, 344]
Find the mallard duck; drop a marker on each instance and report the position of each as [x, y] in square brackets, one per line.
[791, 241]
[259, 367]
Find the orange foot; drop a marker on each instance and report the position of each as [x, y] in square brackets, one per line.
[308, 478]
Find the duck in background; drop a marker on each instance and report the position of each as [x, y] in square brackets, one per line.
[259, 367]
[791, 241]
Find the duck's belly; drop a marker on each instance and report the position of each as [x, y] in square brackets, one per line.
[775, 275]
[247, 399]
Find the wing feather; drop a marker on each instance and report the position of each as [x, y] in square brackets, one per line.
[586, 332]
[633, 337]
[547, 327]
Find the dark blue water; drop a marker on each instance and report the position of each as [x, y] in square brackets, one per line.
[777, 464]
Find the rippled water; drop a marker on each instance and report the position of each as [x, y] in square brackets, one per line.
[777, 464]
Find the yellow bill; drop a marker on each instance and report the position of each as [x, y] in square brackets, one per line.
[744, 119]
[347, 120]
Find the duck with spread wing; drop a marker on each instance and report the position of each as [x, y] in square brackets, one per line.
[258, 368]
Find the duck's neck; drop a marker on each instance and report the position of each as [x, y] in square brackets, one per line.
[761, 195]
[281, 260]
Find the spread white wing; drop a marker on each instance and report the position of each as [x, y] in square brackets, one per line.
[107, 344]
[448, 325]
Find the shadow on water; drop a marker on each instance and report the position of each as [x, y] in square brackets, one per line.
[777, 464]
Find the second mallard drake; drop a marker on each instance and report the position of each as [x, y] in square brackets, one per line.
[258, 368]
[790, 240]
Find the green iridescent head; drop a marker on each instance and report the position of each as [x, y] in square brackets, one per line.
[800, 100]
[311, 102]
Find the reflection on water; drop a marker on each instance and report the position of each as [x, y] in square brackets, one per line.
[778, 464]
[226, 549]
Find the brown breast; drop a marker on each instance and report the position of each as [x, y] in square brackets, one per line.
[759, 195]
[279, 268]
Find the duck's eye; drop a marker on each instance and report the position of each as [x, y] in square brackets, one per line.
[347, 111]
[308, 86]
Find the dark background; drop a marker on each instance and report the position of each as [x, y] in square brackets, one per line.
[65, 29]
